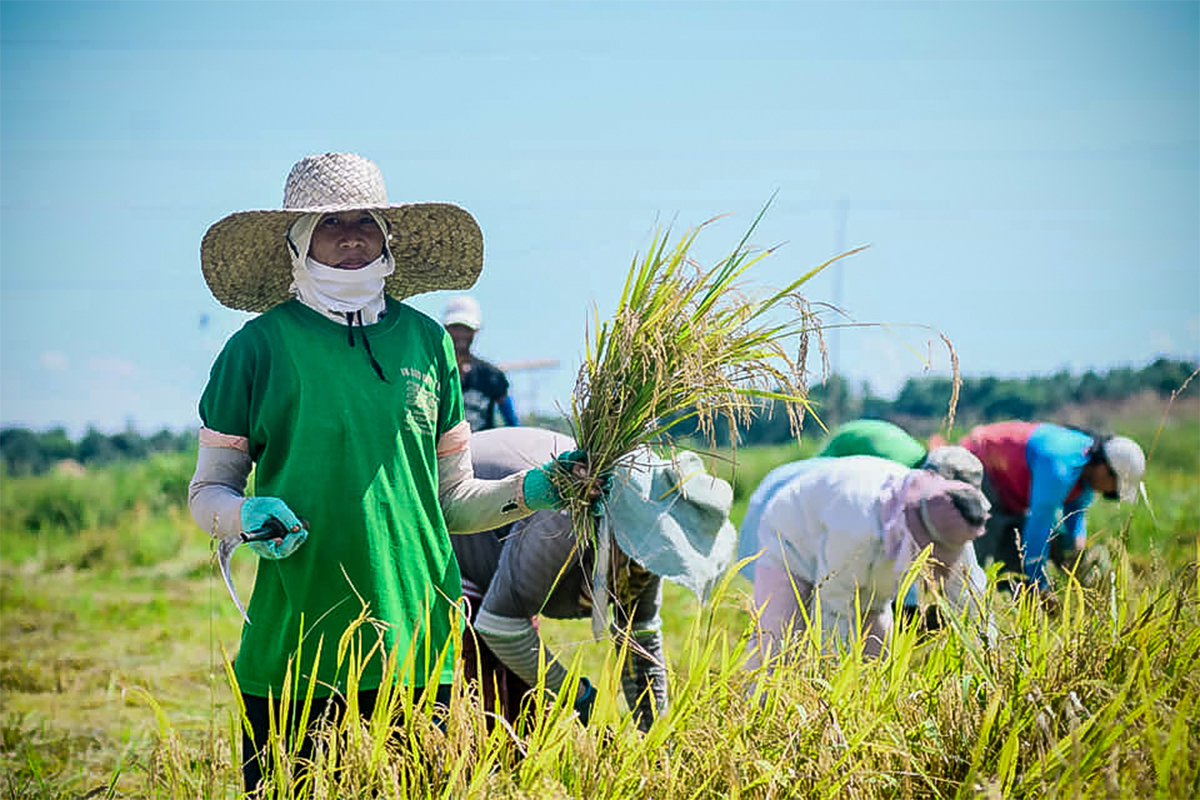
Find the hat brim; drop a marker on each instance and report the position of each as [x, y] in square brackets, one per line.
[245, 260]
[465, 321]
[672, 517]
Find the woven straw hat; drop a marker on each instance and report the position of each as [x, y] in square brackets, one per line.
[245, 256]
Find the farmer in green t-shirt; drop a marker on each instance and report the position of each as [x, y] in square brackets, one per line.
[346, 403]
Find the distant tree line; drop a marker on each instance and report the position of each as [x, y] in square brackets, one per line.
[987, 399]
[920, 406]
[26, 452]
[922, 403]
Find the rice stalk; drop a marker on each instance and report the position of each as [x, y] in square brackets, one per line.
[686, 343]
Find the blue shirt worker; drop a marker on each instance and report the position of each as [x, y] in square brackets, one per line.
[1036, 474]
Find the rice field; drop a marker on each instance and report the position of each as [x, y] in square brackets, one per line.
[113, 680]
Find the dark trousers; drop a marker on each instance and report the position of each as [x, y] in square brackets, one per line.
[1002, 540]
[256, 764]
[502, 689]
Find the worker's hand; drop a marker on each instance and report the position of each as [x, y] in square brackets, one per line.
[255, 513]
[1095, 565]
[540, 489]
[584, 700]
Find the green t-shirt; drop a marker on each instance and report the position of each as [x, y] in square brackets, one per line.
[357, 458]
[874, 437]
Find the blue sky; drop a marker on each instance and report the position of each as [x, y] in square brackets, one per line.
[1027, 174]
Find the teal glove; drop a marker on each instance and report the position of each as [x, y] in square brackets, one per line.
[584, 702]
[540, 491]
[255, 513]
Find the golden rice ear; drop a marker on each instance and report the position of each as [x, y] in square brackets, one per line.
[693, 345]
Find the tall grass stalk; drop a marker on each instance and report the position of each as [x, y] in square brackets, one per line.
[1098, 699]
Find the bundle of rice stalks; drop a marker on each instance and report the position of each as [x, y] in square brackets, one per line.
[687, 343]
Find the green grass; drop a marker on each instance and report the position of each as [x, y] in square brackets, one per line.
[113, 685]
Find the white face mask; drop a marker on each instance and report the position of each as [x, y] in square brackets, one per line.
[333, 291]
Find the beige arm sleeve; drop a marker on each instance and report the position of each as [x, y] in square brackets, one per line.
[218, 486]
[471, 504]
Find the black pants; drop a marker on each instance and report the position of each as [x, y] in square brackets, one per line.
[255, 764]
[1003, 542]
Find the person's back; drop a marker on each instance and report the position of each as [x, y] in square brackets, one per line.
[874, 437]
[748, 540]
[835, 501]
[485, 395]
[540, 543]
[787, 479]
[1001, 448]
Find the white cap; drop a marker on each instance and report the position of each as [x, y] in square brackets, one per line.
[463, 310]
[955, 463]
[1128, 463]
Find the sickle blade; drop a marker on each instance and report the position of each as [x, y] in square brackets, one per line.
[225, 549]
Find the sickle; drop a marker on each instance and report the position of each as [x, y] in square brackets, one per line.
[271, 529]
[225, 549]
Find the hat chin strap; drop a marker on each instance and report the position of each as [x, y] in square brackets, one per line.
[934, 535]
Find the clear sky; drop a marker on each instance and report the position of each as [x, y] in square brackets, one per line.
[1026, 173]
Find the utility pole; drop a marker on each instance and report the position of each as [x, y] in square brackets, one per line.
[836, 401]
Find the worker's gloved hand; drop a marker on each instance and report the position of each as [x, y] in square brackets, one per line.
[1094, 565]
[255, 513]
[540, 489]
[584, 700]
[600, 496]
